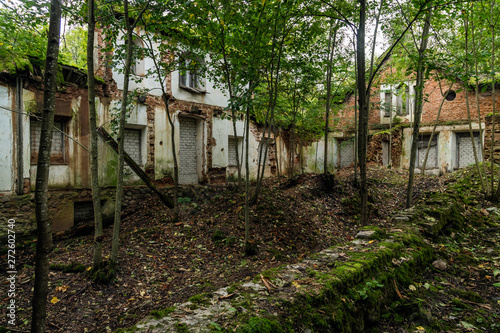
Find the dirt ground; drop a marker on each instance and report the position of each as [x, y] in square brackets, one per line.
[163, 263]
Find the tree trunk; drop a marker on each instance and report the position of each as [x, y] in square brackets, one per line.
[166, 101]
[94, 165]
[247, 178]
[419, 98]
[44, 232]
[363, 112]
[331, 47]
[174, 156]
[121, 135]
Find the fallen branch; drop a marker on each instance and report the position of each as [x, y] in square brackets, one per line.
[137, 169]
[397, 290]
[269, 285]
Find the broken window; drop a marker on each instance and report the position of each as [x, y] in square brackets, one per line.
[132, 144]
[396, 98]
[59, 141]
[387, 104]
[137, 67]
[189, 74]
[403, 100]
[432, 159]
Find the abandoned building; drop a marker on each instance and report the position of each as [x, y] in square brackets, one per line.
[204, 140]
[390, 126]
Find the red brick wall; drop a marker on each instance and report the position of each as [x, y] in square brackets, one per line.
[452, 111]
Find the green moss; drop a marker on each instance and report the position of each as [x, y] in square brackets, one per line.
[73, 267]
[468, 295]
[126, 330]
[200, 299]
[261, 325]
[157, 314]
[181, 328]
[99, 79]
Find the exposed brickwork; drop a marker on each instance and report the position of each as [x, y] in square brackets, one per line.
[452, 111]
[57, 151]
[487, 139]
[376, 142]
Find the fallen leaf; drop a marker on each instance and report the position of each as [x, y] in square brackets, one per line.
[54, 300]
[412, 287]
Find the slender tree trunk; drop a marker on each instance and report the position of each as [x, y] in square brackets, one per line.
[166, 100]
[19, 142]
[469, 118]
[43, 222]
[496, 196]
[363, 112]
[331, 48]
[94, 163]
[434, 129]
[419, 98]
[478, 107]
[121, 134]
[356, 125]
[174, 153]
[247, 178]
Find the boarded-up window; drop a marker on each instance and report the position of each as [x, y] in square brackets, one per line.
[432, 159]
[58, 149]
[385, 153]
[231, 152]
[346, 153]
[132, 144]
[188, 158]
[465, 150]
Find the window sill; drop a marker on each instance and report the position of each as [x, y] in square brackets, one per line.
[51, 163]
[193, 90]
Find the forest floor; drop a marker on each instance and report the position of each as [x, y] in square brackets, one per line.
[163, 263]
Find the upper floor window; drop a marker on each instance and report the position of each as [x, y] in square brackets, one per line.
[397, 99]
[137, 66]
[189, 74]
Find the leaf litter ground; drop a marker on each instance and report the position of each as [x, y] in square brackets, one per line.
[163, 263]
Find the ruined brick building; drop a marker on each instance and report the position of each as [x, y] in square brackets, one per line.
[392, 115]
[205, 141]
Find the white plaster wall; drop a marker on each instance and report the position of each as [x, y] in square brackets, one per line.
[27, 95]
[164, 162]
[6, 140]
[147, 82]
[213, 95]
[447, 145]
[222, 130]
[59, 176]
